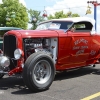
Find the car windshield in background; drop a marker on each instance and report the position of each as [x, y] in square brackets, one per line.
[54, 25]
[5, 29]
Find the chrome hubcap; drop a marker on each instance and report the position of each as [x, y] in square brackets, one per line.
[42, 72]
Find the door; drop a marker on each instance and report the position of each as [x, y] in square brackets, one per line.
[80, 47]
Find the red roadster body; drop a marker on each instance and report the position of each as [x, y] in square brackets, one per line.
[56, 45]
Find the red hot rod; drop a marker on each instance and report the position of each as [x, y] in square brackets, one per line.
[56, 45]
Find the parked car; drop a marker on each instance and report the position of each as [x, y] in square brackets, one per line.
[4, 30]
[56, 45]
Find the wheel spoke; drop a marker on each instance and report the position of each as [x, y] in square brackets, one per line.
[45, 71]
[38, 68]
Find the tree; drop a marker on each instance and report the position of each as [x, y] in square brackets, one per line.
[13, 14]
[35, 18]
[61, 14]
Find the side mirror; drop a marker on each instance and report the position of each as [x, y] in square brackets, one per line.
[71, 30]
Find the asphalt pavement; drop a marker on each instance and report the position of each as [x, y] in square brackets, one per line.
[81, 84]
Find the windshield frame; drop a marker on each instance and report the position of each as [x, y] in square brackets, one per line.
[63, 26]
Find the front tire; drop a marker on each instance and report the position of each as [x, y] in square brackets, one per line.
[1, 75]
[39, 71]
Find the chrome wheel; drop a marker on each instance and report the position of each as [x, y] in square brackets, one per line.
[39, 71]
[42, 72]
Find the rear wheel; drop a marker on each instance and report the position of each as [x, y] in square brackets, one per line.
[39, 71]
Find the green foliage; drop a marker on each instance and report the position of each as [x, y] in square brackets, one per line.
[61, 14]
[13, 14]
[1, 33]
[35, 14]
[75, 15]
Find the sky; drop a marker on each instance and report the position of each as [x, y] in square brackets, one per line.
[75, 6]
[52, 6]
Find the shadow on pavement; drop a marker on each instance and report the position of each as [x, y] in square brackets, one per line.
[76, 73]
[18, 87]
[14, 83]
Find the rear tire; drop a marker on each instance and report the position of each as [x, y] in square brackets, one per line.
[39, 71]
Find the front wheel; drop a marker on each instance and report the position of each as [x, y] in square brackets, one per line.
[39, 71]
[1, 75]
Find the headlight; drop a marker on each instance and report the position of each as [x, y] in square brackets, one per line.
[17, 54]
[4, 61]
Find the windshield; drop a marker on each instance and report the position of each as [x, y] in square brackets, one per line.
[54, 25]
[43, 26]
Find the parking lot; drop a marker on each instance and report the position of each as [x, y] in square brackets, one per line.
[81, 84]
